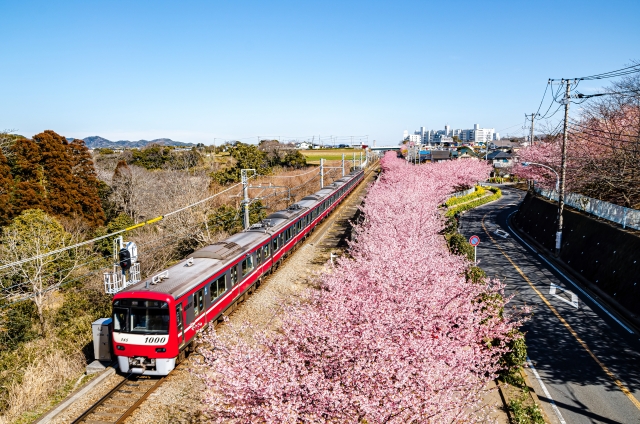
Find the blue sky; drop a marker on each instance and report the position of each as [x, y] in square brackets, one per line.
[195, 71]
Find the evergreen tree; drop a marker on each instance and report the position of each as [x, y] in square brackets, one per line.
[52, 175]
[61, 189]
[6, 187]
[87, 183]
[247, 156]
[27, 175]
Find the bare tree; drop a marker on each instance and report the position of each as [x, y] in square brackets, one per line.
[34, 234]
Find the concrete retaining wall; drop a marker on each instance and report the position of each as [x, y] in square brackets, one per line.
[602, 253]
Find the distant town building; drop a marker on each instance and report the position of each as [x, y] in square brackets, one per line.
[304, 145]
[475, 136]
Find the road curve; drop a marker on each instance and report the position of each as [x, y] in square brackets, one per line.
[586, 358]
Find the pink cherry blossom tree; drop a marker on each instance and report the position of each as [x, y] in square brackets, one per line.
[603, 150]
[393, 333]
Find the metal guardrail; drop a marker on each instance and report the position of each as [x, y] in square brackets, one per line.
[463, 193]
[619, 214]
[503, 165]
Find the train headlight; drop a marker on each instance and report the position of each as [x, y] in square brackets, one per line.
[120, 347]
[161, 349]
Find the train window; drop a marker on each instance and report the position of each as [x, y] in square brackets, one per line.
[265, 251]
[275, 244]
[141, 316]
[149, 320]
[258, 256]
[234, 275]
[198, 302]
[218, 287]
[247, 265]
[179, 319]
[120, 318]
[299, 224]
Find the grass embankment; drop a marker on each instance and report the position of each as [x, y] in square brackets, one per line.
[39, 370]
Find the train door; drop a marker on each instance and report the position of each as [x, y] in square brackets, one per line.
[199, 307]
[180, 322]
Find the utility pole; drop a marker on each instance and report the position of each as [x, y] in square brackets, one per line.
[343, 164]
[533, 116]
[361, 159]
[563, 166]
[245, 191]
[321, 173]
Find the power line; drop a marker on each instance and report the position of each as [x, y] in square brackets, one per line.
[611, 74]
[193, 231]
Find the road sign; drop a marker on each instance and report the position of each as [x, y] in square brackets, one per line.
[474, 241]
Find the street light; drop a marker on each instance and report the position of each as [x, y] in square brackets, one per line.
[560, 201]
[549, 168]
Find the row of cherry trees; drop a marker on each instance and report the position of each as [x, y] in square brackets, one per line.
[393, 333]
[603, 149]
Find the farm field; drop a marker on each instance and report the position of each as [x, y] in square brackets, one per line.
[314, 156]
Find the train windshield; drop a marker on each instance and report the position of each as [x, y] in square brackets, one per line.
[141, 316]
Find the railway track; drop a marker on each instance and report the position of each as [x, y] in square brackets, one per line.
[117, 405]
[122, 401]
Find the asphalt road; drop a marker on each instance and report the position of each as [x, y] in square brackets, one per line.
[587, 357]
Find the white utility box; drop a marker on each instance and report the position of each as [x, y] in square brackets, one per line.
[102, 329]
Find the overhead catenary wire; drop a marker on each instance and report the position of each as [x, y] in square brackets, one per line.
[84, 243]
[194, 229]
[115, 233]
[147, 222]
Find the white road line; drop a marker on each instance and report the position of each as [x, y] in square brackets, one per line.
[569, 280]
[546, 392]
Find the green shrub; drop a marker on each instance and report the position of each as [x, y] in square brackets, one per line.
[120, 222]
[17, 325]
[452, 201]
[497, 193]
[475, 274]
[105, 151]
[81, 306]
[517, 355]
[459, 245]
[525, 414]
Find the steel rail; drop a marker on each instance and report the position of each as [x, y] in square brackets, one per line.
[120, 417]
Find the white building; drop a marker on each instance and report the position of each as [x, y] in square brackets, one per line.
[476, 135]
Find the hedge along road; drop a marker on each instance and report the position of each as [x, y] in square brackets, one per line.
[587, 357]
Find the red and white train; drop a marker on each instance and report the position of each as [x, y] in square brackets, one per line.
[155, 322]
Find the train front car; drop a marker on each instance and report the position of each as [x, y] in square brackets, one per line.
[145, 337]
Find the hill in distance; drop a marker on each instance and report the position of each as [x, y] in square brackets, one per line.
[97, 142]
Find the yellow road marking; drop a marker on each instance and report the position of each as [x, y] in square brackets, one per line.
[565, 323]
